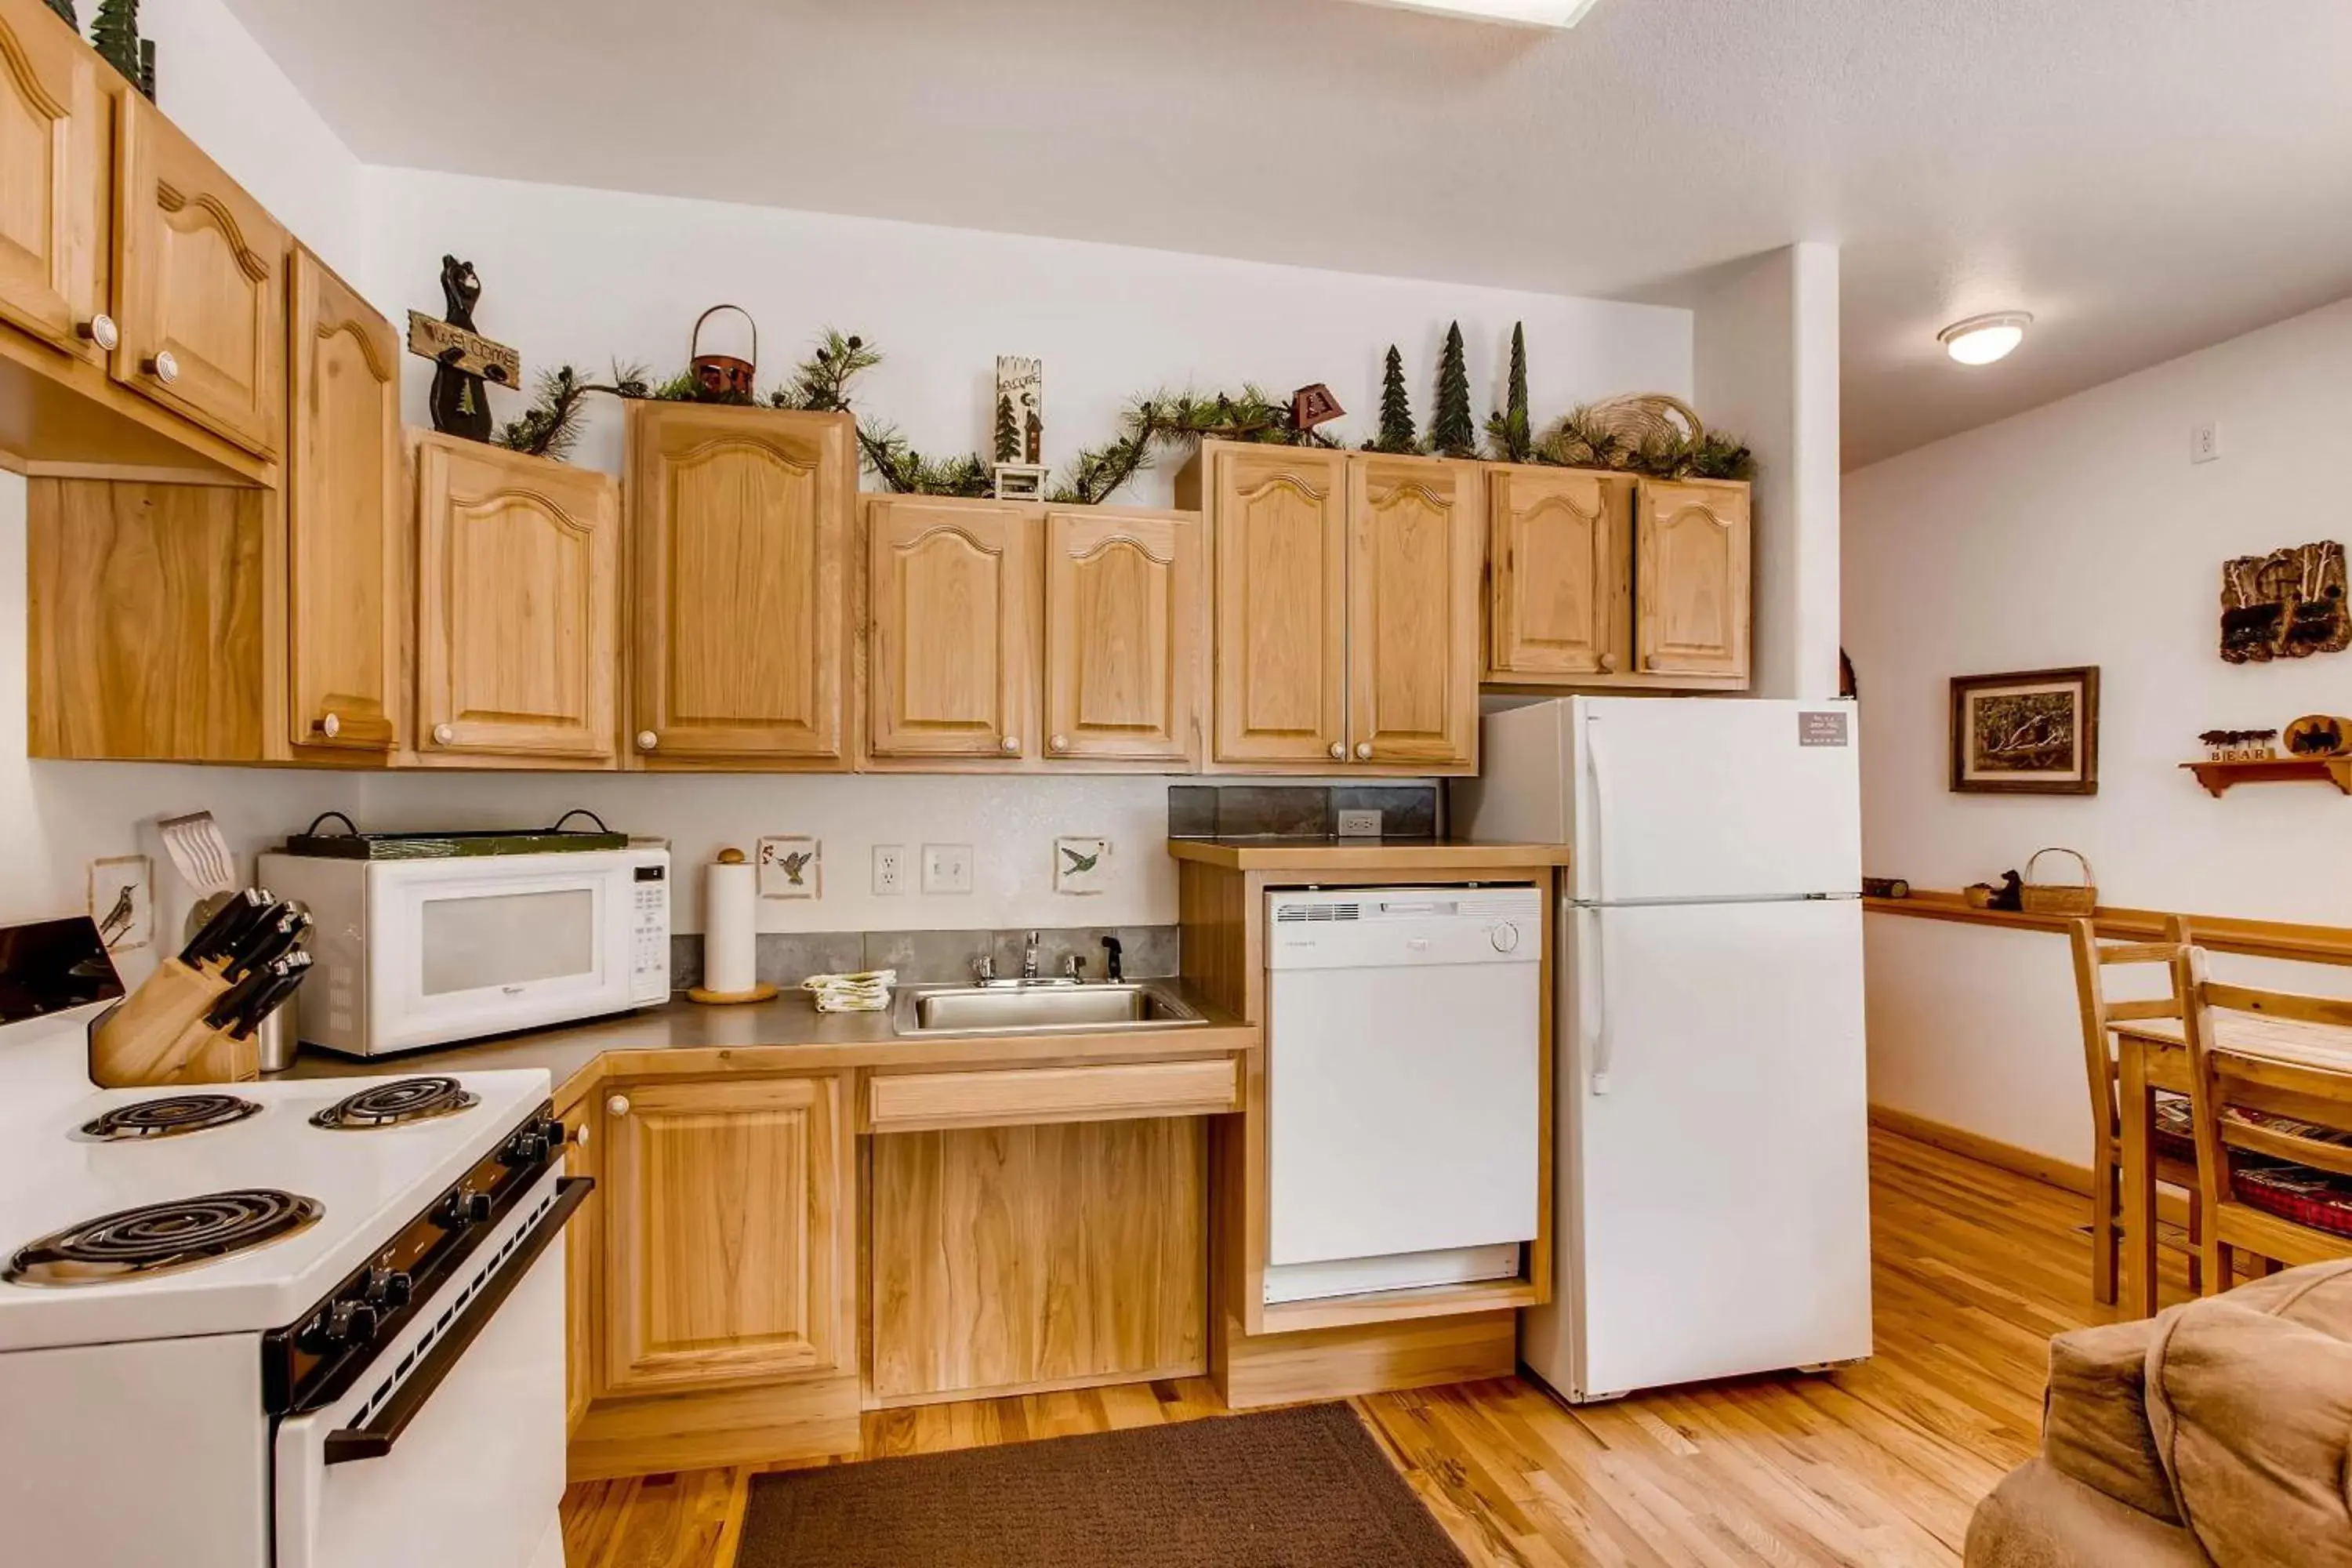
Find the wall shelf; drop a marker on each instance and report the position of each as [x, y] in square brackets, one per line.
[2217, 778]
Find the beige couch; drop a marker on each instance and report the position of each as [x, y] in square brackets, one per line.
[2217, 1433]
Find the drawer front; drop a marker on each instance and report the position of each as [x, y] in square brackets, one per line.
[923, 1101]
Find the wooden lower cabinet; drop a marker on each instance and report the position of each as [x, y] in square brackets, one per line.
[730, 1211]
[1018, 1259]
[583, 1255]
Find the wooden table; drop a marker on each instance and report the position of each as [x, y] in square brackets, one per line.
[2151, 1055]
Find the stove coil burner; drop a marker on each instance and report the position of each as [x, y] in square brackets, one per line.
[170, 1117]
[157, 1238]
[392, 1104]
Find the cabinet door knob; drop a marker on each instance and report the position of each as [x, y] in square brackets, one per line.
[617, 1106]
[580, 1134]
[1339, 752]
[1060, 743]
[164, 367]
[1010, 745]
[331, 726]
[1607, 662]
[1363, 751]
[100, 330]
[444, 734]
[647, 740]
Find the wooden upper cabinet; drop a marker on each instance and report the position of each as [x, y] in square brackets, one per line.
[1122, 637]
[729, 1233]
[740, 524]
[1414, 568]
[1691, 579]
[53, 181]
[952, 620]
[1281, 542]
[1560, 545]
[200, 280]
[346, 531]
[518, 605]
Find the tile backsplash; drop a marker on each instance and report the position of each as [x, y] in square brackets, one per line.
[936, 957]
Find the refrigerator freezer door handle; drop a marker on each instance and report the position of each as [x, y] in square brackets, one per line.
[1600, 807]
[1592, 1003]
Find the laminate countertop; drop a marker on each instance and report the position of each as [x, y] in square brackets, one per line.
[685, 1039]
[1326, 853]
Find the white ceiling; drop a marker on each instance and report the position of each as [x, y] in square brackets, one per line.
[2146, 177]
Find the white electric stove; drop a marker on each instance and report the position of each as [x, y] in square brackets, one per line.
[296, 1324]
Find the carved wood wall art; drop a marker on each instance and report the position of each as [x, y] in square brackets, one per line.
[2319, 735]
[2289, 604]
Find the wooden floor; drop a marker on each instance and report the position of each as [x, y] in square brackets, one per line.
[1880, 1464]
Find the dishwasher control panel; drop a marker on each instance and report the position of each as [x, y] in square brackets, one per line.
[1356, 927]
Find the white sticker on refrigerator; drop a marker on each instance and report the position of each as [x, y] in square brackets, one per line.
[1816, 728]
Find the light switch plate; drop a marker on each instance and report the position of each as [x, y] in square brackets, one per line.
[947, 868]
[791, 865]
[1359, 825]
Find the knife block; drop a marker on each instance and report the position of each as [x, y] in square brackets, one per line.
[155, 1036]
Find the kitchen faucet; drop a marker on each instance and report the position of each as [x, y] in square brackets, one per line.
[1114, 956]
[1029, 959]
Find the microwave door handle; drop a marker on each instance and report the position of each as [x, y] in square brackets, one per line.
[376, 1439]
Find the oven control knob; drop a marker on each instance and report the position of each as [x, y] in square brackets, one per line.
[351, 1324]
[464, 1209]
[553, 1131]
[528, 1147]
[388, 1288]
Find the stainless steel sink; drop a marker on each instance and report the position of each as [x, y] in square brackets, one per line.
[1040, 1006]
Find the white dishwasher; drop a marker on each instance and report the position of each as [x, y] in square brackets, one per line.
[1403, 1071]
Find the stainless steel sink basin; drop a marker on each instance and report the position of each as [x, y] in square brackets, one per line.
[1040, 1006]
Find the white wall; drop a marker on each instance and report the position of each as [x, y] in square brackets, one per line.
[2080, 533]
[1767, 369]
[585, 277]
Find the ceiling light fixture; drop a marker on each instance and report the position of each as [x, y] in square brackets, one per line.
[1980, 340]
[1518, 12]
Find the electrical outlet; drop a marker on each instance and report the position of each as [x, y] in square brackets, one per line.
[1359, 825]
[947, 868]
[2205, 442]
[890, 870]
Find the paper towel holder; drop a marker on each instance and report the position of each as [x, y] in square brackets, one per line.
[761, 992]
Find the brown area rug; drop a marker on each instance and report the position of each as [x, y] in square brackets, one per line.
[1288, 1488]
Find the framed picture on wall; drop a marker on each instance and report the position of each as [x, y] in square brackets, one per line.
[2032, 732]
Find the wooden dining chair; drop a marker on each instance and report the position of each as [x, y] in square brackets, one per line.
[2174, 1144]
[2272, 1112]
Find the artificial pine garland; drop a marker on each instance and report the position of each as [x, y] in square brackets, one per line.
[1182, 420]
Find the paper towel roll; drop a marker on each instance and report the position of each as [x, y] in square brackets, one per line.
[730, 936]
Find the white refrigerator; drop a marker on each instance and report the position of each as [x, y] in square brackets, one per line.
[1711, 1186]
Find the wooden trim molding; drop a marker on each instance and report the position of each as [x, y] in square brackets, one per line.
[2062, 1173]
[2222, 933]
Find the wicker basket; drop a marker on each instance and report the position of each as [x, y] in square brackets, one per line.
[2059, 898]
[1639, 418]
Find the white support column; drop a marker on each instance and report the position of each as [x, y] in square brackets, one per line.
[1766, 368]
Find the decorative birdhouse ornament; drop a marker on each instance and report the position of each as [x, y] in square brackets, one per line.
[1313, 405]
[724, 378]
[1019, 441]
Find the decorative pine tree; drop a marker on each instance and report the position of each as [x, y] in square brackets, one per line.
[147, 68]
[1509, 431]
[65, 9]
[1008, 434]
[1396, 409]
[115, 33]
[1451, 433]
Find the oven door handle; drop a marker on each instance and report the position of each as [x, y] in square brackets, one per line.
[376, 1439]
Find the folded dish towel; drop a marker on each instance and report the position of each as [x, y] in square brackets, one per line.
[868, 992]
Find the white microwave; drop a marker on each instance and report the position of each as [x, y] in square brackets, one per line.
[409, 953]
